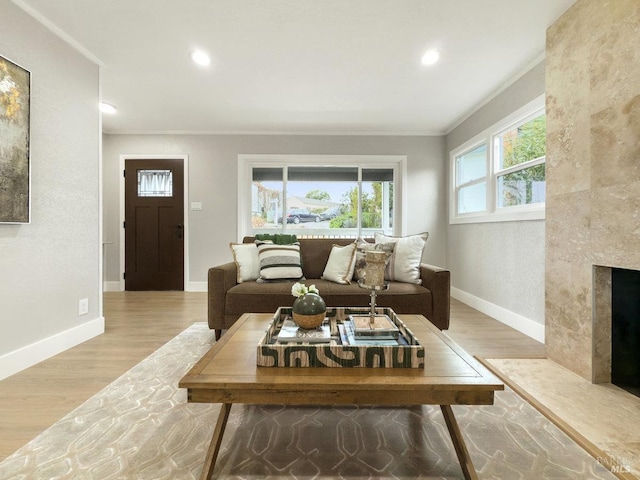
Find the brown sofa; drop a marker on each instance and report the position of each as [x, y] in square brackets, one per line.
[228, 300]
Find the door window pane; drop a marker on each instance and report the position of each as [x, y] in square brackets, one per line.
[155, 183]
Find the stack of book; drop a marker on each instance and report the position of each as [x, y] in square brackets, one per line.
[290, 332]
[356, 330]
[365, 330]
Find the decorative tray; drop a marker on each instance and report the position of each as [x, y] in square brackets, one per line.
[343, 348]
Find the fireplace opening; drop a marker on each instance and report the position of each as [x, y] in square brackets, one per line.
[625, 329]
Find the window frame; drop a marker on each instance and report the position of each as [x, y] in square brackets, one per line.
[246, 163]
[494, 213]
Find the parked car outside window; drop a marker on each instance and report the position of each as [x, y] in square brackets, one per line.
[330, 213]
[297, 215]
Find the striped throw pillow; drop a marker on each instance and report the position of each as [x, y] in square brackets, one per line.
[279, 262]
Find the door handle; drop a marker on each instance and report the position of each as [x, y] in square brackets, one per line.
[179, 227]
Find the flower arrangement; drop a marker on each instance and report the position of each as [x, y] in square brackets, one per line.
[299, 289]
[308, 311]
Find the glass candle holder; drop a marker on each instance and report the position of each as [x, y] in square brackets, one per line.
[374, 268]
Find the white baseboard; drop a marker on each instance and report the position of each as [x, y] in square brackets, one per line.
[525, 325]
[25, 357]
[111, 287]
[196, 287]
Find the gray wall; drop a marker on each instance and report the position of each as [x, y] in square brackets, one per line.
[48, 265]
[502, 262]
[213, 181]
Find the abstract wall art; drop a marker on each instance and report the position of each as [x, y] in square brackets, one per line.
[15, 95]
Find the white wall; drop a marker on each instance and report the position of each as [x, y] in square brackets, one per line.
[498, 268]
[213, 181]
[48, 265]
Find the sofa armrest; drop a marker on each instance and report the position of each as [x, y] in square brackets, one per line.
[219, 280]
[438, 281]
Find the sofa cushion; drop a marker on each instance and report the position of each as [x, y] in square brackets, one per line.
[268, 297]
[279, 262]
[245, 256]
[341, 263]
[404, 265]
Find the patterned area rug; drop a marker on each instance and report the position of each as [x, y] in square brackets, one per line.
[141, 427]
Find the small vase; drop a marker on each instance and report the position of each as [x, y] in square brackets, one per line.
[309, 311]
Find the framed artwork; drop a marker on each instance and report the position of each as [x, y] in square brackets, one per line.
[15, 182]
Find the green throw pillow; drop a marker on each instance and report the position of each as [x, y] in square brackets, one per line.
[277, 238]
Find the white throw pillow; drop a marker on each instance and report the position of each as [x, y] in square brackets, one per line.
[404, 265]
[341, 263]
[245, 256]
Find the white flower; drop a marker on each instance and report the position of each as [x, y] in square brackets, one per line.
[299, 289]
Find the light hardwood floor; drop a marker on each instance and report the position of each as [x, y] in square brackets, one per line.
[137, 324]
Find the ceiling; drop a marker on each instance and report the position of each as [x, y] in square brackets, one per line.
[300, 66]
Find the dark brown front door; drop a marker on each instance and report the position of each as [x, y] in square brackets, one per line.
[154, 225]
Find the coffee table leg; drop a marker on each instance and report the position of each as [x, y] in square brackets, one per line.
[216, 440]
[458, 443]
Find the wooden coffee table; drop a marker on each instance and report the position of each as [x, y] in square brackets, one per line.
[228, 374]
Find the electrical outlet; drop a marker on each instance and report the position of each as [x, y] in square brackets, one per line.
[83, 306]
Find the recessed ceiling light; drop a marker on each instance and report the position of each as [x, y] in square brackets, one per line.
[106, 108]
[200, 57]
[430, 57]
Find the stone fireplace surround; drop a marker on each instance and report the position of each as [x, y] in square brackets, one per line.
[593, 177]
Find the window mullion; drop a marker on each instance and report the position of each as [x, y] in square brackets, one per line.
[521, 166]
[492, 191]
[471, 182]
[285, 207]
[359, 207]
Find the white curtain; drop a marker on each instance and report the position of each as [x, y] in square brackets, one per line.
[155, 183]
